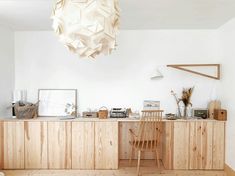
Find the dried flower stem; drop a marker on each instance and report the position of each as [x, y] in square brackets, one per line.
[177, 102]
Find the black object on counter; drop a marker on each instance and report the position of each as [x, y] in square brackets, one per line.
[118, 113]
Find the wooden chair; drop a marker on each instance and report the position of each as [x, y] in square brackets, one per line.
[148, 137]
[152, 113]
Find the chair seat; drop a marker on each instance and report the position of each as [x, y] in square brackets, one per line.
[144, 145]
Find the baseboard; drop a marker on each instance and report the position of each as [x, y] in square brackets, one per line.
[229, 171]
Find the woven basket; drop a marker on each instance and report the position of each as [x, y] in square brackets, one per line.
[103, 113]
[28, 111]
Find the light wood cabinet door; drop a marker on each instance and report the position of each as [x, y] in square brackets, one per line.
[167, 145]
[181, 145]
[13, 145]
[36, 145]
[59, 145]
[200, 148]
[1, 145]
[106, 145]
[83, 145]
[218, 145]
[125, 138]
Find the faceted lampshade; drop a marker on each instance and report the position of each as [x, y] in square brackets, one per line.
[87, 27]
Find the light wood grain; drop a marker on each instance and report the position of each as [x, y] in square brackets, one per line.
[207, 145]
[36, 145]
[229, 171]
[1, 145]
[148, 168]
[96, 144]
[182, 67]
[124, 141]
[168, 145]
[83, 145]
[148, 137]
[59, 145]
[201, 134]
[55, 119]
[218, 145]
[106, 145]
[13, 145]
[181, 145]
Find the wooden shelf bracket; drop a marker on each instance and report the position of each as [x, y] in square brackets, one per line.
[183, 68]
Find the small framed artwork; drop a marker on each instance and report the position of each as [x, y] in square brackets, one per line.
[200, 113]
[57, 102]
[151, 105]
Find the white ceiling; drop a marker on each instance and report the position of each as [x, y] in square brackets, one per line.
[136, 14]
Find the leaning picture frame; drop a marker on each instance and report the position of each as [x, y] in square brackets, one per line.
[151, 105]
[57, 102]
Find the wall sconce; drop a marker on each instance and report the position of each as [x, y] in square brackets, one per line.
[156, 75]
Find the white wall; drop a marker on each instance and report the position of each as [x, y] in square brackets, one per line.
[227, 85]
[122, 79]
[6, 70]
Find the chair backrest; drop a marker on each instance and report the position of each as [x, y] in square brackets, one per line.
[152, 113]
[149, 132]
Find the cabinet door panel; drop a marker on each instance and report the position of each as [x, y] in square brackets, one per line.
[1, 145]
[200, 148]
[218, 145]
[181, 145]
[83, 147]
[13, 145]
[167, 145]
[59, 145]
[36, 145]
[106, 145]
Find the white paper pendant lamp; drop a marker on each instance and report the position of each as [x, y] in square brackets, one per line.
[87, 27]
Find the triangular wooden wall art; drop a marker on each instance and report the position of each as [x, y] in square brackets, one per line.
[182, 67]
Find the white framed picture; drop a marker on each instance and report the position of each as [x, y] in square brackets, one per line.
[57, 102]
[151, 105]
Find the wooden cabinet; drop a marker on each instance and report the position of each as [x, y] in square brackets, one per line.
[200, 145]
[35, 145]
[13, 140]
[1, 145]
[125, 138]
[218, 145]
[59, 145]
[106, 145]
[167, 145]
[181, 145]
[83, 145]
[95, 145]
[185, 144]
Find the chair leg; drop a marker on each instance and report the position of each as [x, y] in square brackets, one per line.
[138, 165]
[157, 158]
[131, 154]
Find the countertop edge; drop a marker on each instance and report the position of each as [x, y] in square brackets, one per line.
[57, 119]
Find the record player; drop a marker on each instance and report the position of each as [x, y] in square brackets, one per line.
[118, 113]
